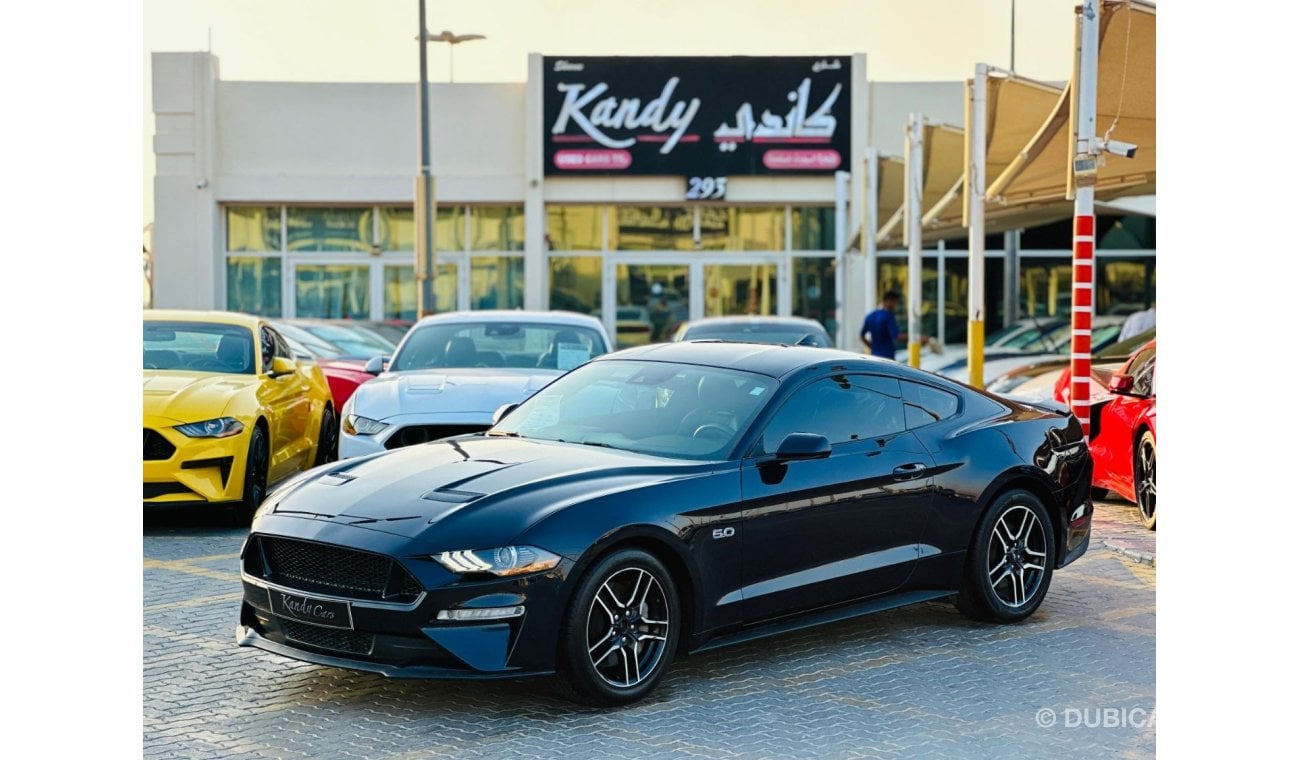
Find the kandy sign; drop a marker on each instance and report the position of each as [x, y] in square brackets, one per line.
[696, 116]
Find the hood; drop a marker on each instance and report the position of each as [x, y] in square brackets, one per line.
[477, 391]
[471, 492]
[180, 396]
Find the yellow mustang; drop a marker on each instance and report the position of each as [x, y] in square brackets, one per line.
[227, 410]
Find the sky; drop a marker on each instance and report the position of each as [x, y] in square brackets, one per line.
[374, 40]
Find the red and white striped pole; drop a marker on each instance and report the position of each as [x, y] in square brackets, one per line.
[1085, 176]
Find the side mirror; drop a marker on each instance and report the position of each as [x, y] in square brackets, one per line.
[502, 411]
[798, 446]
[1121, 384]
[282, 365]
[376, 364]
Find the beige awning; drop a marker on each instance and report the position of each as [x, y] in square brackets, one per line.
[943, 162]
[1030, 150]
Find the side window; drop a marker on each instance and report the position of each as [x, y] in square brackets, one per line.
[926, 404]
[1143, 370]
[842, 407]
[268, 348]
[281, 345]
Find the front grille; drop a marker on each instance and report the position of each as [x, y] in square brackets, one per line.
[352, 642]
[331, 570]
[154, 490]
[413, 434]
[156, 448]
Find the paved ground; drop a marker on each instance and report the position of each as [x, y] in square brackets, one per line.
[1117, 525]
[1076, 678]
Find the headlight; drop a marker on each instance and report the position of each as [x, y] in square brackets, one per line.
[222, 427]
[508, 560]
[355, 424]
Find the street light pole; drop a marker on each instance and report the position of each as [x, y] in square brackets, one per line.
[425, 256]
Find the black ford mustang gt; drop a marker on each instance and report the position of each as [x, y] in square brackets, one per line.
[664, 499]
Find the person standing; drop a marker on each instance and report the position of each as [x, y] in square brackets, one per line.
[880, 328]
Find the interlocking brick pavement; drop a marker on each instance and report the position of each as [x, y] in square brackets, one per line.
[917, 682]
[1117, 525]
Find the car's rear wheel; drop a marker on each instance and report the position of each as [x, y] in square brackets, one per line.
[1144, 479]
[1009, 567]
[254, 479]
[327, 444]
[621, 629]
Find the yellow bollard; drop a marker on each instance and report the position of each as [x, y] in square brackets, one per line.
[975, 352]
[914, 353]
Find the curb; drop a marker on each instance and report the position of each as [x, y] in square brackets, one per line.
[1135, 555]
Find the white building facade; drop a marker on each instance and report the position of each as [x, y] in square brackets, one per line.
[296, 199]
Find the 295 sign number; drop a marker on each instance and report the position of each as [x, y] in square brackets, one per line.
[706, 188]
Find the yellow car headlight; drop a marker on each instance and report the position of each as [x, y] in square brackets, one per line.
[221, 427]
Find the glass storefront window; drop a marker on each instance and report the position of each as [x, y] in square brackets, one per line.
[732, 289]
[1045, 286]
[496, 282]
[397, 229]
[574, 228]
[814, 291]
[332, 291]
[652, 300]
[956, 295]
[813, 229]
[653, 228]
[1126, 285]
[496, 228]
[743, 229]
[253, 285]
[253, 228]
[892, 275]
[400, 299]
[330, 229]
[576, 284]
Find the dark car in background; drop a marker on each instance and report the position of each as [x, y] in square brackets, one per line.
[780, 330]
[668, 499]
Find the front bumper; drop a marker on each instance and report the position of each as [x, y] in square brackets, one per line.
[400, 639]
[196, 470]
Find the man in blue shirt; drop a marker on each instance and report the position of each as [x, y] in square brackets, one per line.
[880, 328]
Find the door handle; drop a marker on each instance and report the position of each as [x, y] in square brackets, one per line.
[909, 471]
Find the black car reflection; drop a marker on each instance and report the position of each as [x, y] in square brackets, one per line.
[667, 499]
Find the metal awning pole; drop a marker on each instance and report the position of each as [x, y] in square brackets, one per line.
[912, 233]
[870, 226]
[976, 147]
[841, 245]
[1085, 151]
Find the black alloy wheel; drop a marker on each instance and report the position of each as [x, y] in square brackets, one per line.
[254, 479]
[1009, 567]
[1144, 479]
[621, 630]
[327, 443]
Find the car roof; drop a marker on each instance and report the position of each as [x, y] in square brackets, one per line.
[762, 358]
[802, 322]
[193, 315]
[516, 315]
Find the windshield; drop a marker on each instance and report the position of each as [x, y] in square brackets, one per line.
[660, 408]
[789, 335]
[497, 344]
[353, 341]
[198, 346]
[315, 346]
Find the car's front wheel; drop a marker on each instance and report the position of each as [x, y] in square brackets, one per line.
[1010, 563]
[327, 443]
[254, 479]
[1144, 479]
[621, 629]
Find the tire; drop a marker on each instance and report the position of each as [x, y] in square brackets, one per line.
[327, 443]
[255, 468]
[1014, 540]
[626, 607]
[1144, 479]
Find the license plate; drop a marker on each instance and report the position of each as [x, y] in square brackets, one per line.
[322, 612]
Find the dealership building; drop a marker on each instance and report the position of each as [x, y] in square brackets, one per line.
[635, 189]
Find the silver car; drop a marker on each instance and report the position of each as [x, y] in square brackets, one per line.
[452, 371]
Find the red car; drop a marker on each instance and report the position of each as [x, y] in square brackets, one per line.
[1123, 434]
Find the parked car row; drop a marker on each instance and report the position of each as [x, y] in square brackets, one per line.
[515, 499]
